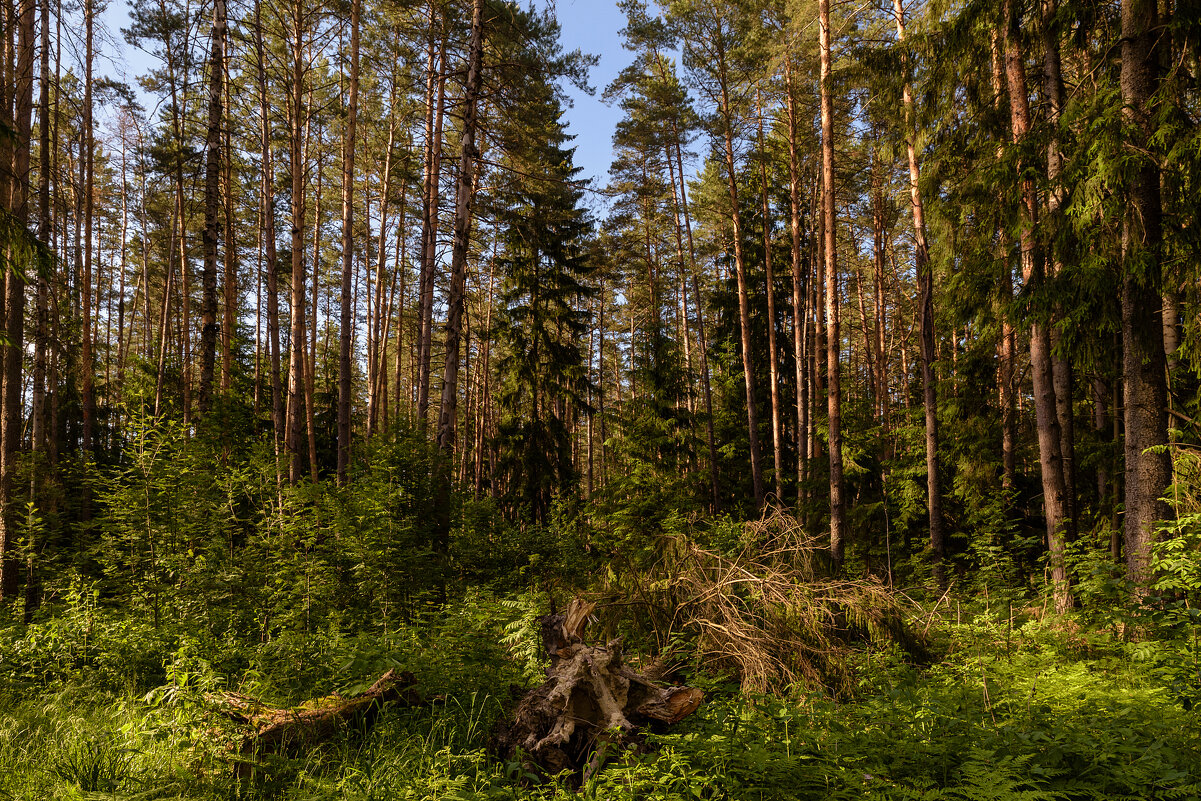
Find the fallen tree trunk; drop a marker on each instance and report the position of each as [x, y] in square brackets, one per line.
[287, 731]
[591, 705]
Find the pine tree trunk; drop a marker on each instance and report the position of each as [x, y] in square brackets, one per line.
[296, 365]
[212, 177]
[310, 367]
[16, 201]
[1061, 365]
[1033, 276]
[37, 423]
[702, 340]
[772, 351]
[744, 305]
[878, 265]
[88, 399]
[229, 281]
[345, 331]
[838, 512]
[464, 198]
[401, 349]
[1007, 347]
[436, 98]
[270, 266]
[799, 308]
[1148, 468]
[377, 394]
[925, 278]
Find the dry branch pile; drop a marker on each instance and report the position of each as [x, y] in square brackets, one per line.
[591, 705]
[770, 613]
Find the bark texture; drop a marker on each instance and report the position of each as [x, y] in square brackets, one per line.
[925, 279]
[346, 319]
[838, 509]
[212, 173]
[1143, 364]
[1050, 456]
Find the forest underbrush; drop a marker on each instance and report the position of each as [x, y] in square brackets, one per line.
[95, 704]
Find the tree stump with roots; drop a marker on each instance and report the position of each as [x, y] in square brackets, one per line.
[591, 706]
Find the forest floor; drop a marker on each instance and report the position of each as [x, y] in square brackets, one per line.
[95, 705]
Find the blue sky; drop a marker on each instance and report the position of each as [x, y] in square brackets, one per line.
[592, 26]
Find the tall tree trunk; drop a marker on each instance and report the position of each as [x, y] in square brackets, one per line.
[229, 281]
[464, 197]
[377, 369]
[1102, 429]
[925, 278]
[310, 367]
[270, 266]
[17, 204]
[772, 350]
[1061, 365]
[1007, 347]
[38, 439]
[296, 371]
[345, 332]
[1148, 466]
[436, 98]
[838, 511]
[212, 207]
[1033, 276]
[398, 373]
[702, 340]
[87, 390]
[878, 265]
[744, 304]
[799, 307]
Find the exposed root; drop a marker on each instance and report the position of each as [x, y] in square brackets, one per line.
[591, 705]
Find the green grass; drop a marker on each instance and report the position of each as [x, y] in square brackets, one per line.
[1038, 711]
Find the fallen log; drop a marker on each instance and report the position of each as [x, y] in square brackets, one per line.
[288, 731]
[591, 705]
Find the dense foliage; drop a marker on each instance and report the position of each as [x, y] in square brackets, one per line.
[863, 395]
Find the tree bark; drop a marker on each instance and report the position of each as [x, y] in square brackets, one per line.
[17, 204]
[87, 391]
[345, 329]
[799, 307]
[1148, 467]
[925, 278]
[267, 191]
[1061, 365]
[702, 340]
[464, 198]
[37, 423]
[744, 305]
[772, 351]
[212, 225]
[838, 512]
[310, 367]
[1033, 275]
[435, 97]
[377, 370]
[229, 281]
[1007, 347]
[296, 361]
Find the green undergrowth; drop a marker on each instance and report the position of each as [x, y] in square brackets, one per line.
[100, 708]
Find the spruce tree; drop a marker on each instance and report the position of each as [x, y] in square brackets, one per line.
[541, 319]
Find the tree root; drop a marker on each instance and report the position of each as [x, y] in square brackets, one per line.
[591, 705]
